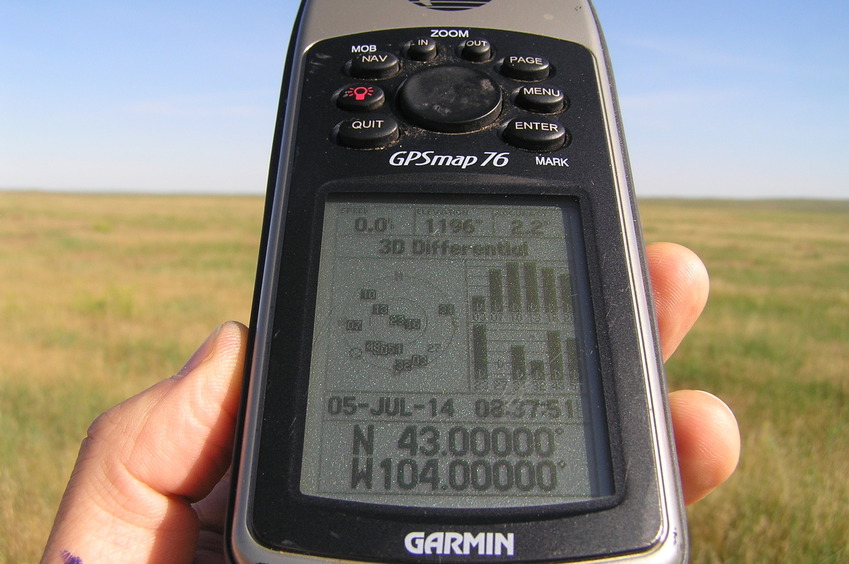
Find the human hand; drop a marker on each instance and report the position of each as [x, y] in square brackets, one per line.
[150, 483]
[147, 485]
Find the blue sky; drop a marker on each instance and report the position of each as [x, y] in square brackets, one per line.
[725, 98]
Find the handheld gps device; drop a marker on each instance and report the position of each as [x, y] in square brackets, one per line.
[453, 353]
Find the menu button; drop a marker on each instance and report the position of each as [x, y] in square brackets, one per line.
[542, 99]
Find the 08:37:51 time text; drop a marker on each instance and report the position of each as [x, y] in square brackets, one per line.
[480, 408]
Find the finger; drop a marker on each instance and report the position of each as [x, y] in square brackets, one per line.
[211, 511]
[145, 460]
[680, 287]
[707, 439]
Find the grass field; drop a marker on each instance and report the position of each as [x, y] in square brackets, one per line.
[101, 296]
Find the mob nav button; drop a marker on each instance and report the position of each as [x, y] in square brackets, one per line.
[366, 133]
[379, 64]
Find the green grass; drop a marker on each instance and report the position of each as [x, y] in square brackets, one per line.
[773, 342]
[101, 296]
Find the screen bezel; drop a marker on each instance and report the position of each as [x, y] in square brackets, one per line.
[279, 512]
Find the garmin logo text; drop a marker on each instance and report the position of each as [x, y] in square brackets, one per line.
[461, 544]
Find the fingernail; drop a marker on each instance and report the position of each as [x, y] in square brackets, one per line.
[201, 354]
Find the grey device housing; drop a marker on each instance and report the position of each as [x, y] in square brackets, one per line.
[644, 519]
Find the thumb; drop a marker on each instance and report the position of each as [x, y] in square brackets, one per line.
[145, 461]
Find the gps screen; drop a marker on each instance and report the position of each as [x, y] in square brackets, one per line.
[449, 364]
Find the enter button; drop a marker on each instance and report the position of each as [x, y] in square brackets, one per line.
[536, 135]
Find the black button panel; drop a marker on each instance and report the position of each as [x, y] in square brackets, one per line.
[452, 86]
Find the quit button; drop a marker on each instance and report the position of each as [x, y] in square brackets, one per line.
[367, 133]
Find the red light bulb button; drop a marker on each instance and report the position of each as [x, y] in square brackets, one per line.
[360, 98]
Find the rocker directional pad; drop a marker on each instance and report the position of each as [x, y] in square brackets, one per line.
[450, 99]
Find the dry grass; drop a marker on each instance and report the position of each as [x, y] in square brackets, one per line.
[774, 342]
[101, 296]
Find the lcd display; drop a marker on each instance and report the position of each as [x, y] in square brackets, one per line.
[450, 363]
